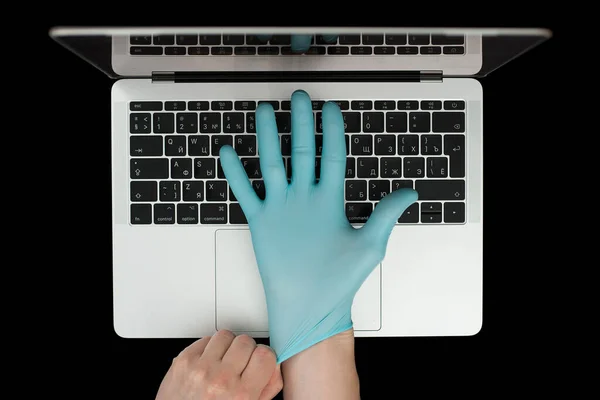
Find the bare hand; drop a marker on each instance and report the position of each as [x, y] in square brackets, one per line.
[222, 367]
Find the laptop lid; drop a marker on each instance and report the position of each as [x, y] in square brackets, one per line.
[274, 53]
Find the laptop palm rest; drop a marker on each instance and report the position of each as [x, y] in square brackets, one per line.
[240, 299]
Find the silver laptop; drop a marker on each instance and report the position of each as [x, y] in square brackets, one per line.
[183, 263]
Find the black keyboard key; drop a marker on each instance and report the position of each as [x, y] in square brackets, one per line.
[205, 168]
[244, 51]
[216, 190]
[431, 105]
[220, 105]
[218, 141]
[362, 145]
[319, 145]
[395, 40]
[441, 189]
[454, 147]
[411, 214]
[349, 39]
[447, 39]
[373, 122]
[198, 105]
[317, 105]
[378, 189]
[361, 50]
[454, 105]
[236, 214]
[401, 184]
[193, 191]
[175, 51]
[407, 50]
[286, 145]
[281, 40]
[221, 51]
[181, 168]
[233, 122]
[385, 105]
[356, 190]
[284, 122]
[396, 122]
[163, 40]
[419, 122]
[213, 213]
[437, 167]
[385, 145]
[145, 50]
[149, 168]
[350, 167]
[408, 145]
[169, 190]
[431, 50]
[233, 40]
[418, 39]
[431, 145]
[273, 103]
[198, 145]
[321, 40]
[252, 167]
[454, 212]
[141, 214]
[367, 167]
[383, 50]
[250, 122]
[164, 214]
[141, 146]
[342, 104]
[163, 122]
[187, 40]
[454, 50]
[358, 212]
[316, 50]
[268, 50]
[187, 214]
[175, 105]
[369, 40]
[143, 191]
[259, 189]
[245, 145]
[362, 105]
[210, 122]
[186, 122]
[245, 105]
[140, 123]
[175, 146]
[210, 40]
[390, 167]
[140, 40]
[431, 218]
[408, 105]
[198, 51]
[448, 122]
[145, 106]
[351, 122]
[414, 167]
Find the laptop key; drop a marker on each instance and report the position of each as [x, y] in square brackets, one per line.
[350, 166]
[193, 191]
[385, 145]
[448, 122]
[419, 122]
[141, 214]
[213, 213]
[175, 105]
[454, 105]
[356, 190]
[349, 39]
[378, 189]
[245, 51]
[145, 106]
[407, 50]
[245, 145]
[149, 168]
[163, 40]
[140, 146]
[454, 50]
[210, 40]
[233, 122]
[431, 105]
[447, 39]
[164, 214]
[198, 51]
[395, 40]
[372, 39]
[437, 167]
[174, 145]
[236, 214]
[198, 105]
[268, 50]
[362, 145]
[186, 122]
[233, 40]
[187, 214]
[454, 212]
[140, 39]
[408, 145]
[440, 189]
[367, 167]
[245, 105]
[181, 168]
[204, 168]
[351, 122]
[218, 141]
[221, 51]
[411, 214]
[418, 39]
[198, 145]
[216, 190]
[362, 105]
[210, 122]
[163, 122]
[431, 50]
[338, 50]
[175, 51]
[414, 167]
[139, 123]
[169, 190]
[431, 144]
[454, 146]
[396, 122]
[143, 191]
[358, 212]
[382, 50]
[145, 50]
[390, 167]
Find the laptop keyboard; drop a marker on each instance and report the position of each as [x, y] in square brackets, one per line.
[249, 45]
[176, 176]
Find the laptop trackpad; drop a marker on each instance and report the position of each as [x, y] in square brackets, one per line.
[240, 299]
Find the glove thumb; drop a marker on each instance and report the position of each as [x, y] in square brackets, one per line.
[381, 222]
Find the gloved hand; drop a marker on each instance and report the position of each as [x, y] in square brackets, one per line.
[300, 43]
[312, 261]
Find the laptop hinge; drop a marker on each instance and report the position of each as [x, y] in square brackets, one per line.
[304, 76]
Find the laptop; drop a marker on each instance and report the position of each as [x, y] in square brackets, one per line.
[183, 263]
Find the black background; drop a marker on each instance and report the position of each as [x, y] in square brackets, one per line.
[519, 131]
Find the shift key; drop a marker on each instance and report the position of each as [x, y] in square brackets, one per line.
[454, 147]
[149, 168]
[440, 189]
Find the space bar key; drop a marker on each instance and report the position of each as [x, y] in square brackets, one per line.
[440, 189]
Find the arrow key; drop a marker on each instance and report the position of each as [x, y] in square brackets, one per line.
[454, 212]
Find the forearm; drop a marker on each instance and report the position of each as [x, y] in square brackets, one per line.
[326, 370]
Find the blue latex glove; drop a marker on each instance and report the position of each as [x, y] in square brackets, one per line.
[312, 261]
[300, 43]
